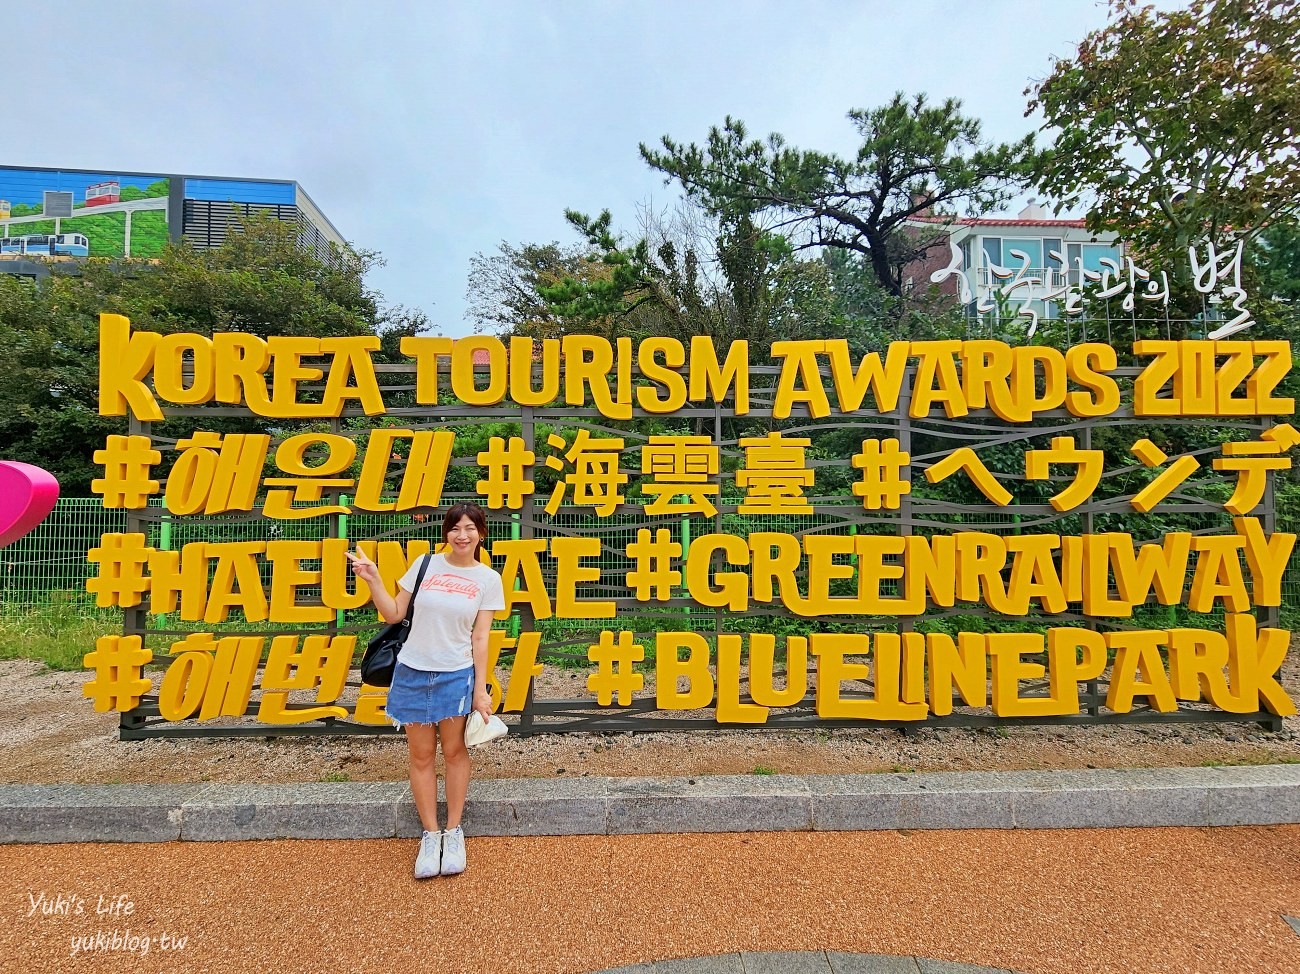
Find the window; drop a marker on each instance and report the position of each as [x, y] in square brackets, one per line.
[992, 251]
[1091, 256]
[1032, 246]
[1052, 263]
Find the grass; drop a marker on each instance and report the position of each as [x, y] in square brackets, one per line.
[59, 634]
[336, 776]
[1249, 761]
[763, 769]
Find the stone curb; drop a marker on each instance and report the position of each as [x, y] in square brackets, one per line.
[1137, 798]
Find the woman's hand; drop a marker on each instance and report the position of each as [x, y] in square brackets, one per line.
[483, 702]
[364, 568]
[390, 609]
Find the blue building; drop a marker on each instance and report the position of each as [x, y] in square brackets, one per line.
[48, 216]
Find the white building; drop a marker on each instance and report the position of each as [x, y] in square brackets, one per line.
[1032, 259]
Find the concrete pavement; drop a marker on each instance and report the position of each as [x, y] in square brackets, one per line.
[1135, 798]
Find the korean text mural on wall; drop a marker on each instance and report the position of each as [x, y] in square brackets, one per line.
[663, 507]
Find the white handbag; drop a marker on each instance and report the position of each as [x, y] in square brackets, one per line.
[480, 731]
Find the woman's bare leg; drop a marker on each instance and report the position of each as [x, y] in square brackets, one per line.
[422, 744]
[456, 767]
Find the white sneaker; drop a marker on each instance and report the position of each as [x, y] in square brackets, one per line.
[453, 852]
[428, 861]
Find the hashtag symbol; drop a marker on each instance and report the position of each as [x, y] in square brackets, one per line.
[613, 671]
[118, 662]
[653, 565]
[126, 461]
[122, 579]
[506, 485]
[882, 465]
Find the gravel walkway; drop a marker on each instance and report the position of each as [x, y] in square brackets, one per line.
[51, 734]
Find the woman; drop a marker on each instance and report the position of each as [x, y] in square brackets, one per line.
[441, 672]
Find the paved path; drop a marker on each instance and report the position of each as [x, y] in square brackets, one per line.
[1105, 901]
[852, 874]
[805, 962]
[1109, 901]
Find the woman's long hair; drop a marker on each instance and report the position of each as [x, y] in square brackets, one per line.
[475, 514]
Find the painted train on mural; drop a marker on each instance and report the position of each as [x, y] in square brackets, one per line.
[47, 245]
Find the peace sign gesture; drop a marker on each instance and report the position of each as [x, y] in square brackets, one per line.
[365, 569]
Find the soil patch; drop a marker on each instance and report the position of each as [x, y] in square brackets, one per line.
[49, 733]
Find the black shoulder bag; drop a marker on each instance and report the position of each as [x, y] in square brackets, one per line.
[380, 658]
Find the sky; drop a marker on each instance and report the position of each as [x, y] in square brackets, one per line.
[433, 131]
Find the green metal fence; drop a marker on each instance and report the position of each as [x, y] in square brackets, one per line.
[50, 563]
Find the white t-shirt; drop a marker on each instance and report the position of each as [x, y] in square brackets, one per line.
[446, 606]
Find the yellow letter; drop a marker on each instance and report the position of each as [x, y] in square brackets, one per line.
[352, 358]
[236, 563]
[1218, 573]
[733, 590]
[1025, 360]
[1139, 671]
[1254, 658]
[762, 669]
[695, 668]
[711, 381]
[521, 558]
[799, 362]
[240, 363]
[1266, 558]
[521, 372]
[426, 350]
[287, 576]
[1196, 661]
[668, 375]
[1087, 365]
[885, 380]
[961, 664]
[1006, 650]
[125, 358]
[169, 369]
[569, 573]
[937, 380]
[588, 361]
[730, 708]
[462, 371]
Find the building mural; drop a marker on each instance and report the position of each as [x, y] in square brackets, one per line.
[55, 213]
[49, 215]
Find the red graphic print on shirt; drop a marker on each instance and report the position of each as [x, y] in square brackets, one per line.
[453, 584]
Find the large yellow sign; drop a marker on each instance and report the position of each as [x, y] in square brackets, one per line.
[1103, 576]
[1205, 378]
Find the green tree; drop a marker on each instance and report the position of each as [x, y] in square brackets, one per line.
[915, 159]
[1276, 257]
[48, 388]
[692, 275]
[870, 317]
[1178, 126]
[258, 281]
[503, 296]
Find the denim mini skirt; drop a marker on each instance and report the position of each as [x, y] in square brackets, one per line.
[426, 697]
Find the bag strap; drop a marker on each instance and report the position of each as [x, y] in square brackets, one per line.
[410, 606]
